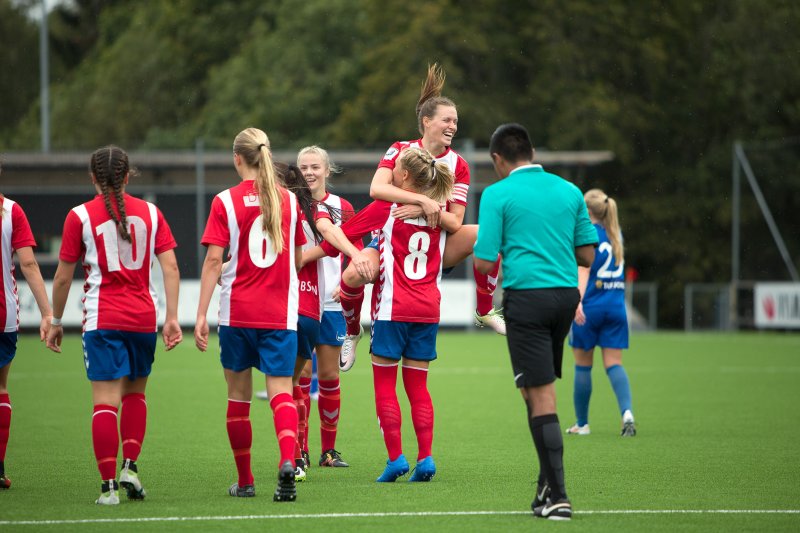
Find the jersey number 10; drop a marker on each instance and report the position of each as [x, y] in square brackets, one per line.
[130, 254]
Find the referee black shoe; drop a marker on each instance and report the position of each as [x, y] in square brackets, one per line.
[542, 495]
[559, 510]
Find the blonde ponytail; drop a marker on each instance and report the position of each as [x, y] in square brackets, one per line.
[604, 209]
[252, 145]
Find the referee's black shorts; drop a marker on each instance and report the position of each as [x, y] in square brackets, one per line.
[537, 322]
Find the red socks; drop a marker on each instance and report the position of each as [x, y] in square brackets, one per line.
[302, 420]
[240, 435]
[132, 424]
[387, 407]
[5, 424]
[415, 381]
[351, 299]
[105, 438]
[285, 417]
[305, 385]
[329, 404]
[486, 284]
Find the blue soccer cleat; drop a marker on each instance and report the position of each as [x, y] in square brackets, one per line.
[424, 471]
[394, 469]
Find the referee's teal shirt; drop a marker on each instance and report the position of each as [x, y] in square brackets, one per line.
[535, 220]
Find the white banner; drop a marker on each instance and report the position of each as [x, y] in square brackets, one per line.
[777, 305]
[458, 303]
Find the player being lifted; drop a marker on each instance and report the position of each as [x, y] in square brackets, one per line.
[437, 120]
[404, 323]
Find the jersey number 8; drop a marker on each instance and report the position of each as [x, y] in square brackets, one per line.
[416, 262]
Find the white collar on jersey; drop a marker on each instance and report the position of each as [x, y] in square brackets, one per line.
[525, 167]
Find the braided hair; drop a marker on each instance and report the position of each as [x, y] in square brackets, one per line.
[109, 166]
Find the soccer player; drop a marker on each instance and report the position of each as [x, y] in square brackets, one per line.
[538, 223]
[314, 162]
[117, 237]
[601, 319]
[260, 222]
[404, 324]
[437, 121]
[16, 238]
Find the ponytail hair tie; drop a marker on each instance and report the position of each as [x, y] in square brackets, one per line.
[260, 145]
[606, 200]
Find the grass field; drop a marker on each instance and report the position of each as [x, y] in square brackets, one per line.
[717, 416]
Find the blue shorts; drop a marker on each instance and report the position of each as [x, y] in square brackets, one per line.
[373, 244]
[110, 354]
[413, 340]
[606, 327]
[332, 328]
[307, 336]
[272, 351]
[8, 347]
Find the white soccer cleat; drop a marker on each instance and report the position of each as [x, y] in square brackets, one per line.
[129, 480]
[109, 493]
[628, 426]
[493, 320]
[262, 395]
[347, 356]
[578, 430]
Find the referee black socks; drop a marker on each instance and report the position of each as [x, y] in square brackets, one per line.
[546, 432]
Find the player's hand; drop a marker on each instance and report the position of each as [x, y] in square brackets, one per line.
[201, 334]
[406, 212]
[363, 265]
[580, 318]
[432, 211]
[171, 333]
[44, 327]
[336, 294]
[54, 337]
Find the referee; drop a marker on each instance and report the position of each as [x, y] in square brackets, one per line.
[538, 223]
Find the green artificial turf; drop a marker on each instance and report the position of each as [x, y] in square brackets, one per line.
[717, 416]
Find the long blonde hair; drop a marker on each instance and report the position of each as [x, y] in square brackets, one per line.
[252, 145]
[432, 178]
[604, 208]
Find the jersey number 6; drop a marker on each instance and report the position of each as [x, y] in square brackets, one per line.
[262, 251]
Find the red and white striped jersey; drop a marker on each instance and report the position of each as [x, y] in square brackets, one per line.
[311, 277]
[457, 165]
[16, 233]
[410, 269]
[260, 285]
[330, 268]
[119, 293]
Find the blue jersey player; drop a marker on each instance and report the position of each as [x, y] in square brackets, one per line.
[601, 319]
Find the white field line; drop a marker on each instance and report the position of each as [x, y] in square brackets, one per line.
[380, 515]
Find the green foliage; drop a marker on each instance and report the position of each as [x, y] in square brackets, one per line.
[667, 87]
[19, 66]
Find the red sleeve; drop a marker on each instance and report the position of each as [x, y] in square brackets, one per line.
[321, 211]
[347, 210]
[299, 234]
[390, 157]
[72, 239]
[461, 187]
[217, 231]
[164, 238]
[21, 235]
[370, 218]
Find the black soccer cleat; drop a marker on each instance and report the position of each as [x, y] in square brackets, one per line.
[559, 510]
[287, 489]
[306, 460]
[248, 491]
[332, 458]
[542, 495]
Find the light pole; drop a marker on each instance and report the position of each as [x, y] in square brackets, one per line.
[44, 76]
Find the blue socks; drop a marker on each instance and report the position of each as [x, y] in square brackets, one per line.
[583, 392]
[620, 384]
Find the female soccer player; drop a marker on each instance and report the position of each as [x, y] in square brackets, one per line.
[404, 325]
[260, 222]
[117, 237]
[16, 237]
[437, 120]
[601, 319]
